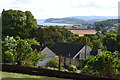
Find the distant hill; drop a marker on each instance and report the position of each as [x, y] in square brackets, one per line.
[94, 17]
[70, 21]
[109, 22]
[80, 19]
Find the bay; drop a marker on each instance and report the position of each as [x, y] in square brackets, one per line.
[41, 22]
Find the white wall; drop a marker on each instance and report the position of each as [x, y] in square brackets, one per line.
[43, 63]
[48, 52]
[82, 53]
[75, 61]
[49, 56]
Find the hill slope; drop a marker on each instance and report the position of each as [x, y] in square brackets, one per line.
[70, 21]
[95, 17]
[80, 19]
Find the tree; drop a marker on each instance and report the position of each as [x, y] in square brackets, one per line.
[108, 25]
[52, 63]
[96, 44]
[100, 28]
[118, 42]
[65, 33]
[80, 40]
[48, 35]
[17, 23]
[97, 41]
[106, 64]
[109, 40]
[32, 41]
[36, 56]
[91, 36]
[23, 51]
[19, 50]
[118, 29]
[8, 48]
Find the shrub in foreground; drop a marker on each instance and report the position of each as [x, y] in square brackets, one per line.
[72, 68]
[53, 63]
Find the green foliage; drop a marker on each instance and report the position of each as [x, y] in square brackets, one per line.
[101, 28]
[23, 50]
[53, 63]
[17, 51]
[32, 41]
[88, 70]
[65, 33]
[118, 42]
[96, 44]
[53, 35]
[105, 41]
[96, 40]
[23, 25]
[49, 35]
[40, 67]
[109, 40]
[80, 40]
[91, 36]
[36, 56]
[94, 36]
[72, 68]
[17, 23]
[109, 22]
[8, 48]
[118, 30]
[27, 63]
[105, 63]
[104, 26]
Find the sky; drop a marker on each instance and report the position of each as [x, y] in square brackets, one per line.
[43, 9]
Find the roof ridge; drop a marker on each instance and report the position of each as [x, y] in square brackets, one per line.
[64, 48]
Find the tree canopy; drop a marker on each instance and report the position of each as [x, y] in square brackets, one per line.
[17, 23]
[106, 64]
[19, 50]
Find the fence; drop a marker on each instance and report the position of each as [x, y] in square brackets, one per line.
[50, 73]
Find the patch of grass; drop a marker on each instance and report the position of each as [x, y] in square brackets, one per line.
[18, 76]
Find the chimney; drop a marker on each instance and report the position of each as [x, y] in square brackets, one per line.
[99, 50]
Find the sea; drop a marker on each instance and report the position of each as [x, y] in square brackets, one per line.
[43, 23]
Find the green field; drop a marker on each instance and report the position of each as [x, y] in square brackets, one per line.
[18, 76]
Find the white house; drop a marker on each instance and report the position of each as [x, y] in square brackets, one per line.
[71, 54]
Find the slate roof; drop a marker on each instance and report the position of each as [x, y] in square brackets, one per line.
[37, 47]
[93, 52]
[66, 49]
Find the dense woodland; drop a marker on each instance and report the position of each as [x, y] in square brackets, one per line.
[20, 30]
[109, 22]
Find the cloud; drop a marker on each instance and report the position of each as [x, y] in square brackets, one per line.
[96, 4]
[63, 8]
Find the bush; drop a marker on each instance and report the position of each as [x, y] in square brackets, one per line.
[27, 63]
[40, 67]
[72, 68]
[87, 70]
[53, 63]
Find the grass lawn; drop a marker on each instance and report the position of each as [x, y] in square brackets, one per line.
[18, 76]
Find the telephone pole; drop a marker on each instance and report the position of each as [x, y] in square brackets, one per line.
[59, 62]
[85, 47]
